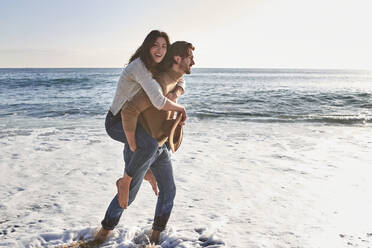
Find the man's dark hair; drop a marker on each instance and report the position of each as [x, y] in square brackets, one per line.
[178, 48]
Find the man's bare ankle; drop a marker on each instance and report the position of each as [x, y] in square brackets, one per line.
[155, 237]
[102, 234]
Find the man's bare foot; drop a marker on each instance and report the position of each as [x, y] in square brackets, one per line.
[101, 236]
[155, 237]
[123, 190]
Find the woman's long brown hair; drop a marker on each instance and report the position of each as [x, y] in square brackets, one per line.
[143, 52]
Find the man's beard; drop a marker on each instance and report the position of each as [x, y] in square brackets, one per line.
[185, 68]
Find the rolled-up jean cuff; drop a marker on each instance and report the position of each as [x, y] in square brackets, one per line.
[158, 228]
[129, 173]
[106, 227]
[135, 168]
[160, 222]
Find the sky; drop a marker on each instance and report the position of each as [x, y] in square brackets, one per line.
[324, 34]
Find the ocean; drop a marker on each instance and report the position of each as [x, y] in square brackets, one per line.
[270, 158]
[256, 95]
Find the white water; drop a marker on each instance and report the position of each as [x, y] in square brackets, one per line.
[238, 185]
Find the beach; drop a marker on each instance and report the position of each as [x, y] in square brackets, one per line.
[251, 171]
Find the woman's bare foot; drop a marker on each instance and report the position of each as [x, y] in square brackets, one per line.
[151, 179]
[131, 138]
[133, 146]
[123, 190]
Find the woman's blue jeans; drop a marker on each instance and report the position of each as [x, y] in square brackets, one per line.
[148, 155]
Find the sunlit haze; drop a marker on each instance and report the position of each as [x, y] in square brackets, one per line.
[227, 34]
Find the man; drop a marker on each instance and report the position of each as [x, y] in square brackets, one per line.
[178, 61]
[167, 78]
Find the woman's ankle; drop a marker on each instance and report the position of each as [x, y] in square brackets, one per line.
[125, 179]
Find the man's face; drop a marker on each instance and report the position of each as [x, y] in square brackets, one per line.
[187, 62]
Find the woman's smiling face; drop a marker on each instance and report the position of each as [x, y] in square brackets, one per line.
[158, 50]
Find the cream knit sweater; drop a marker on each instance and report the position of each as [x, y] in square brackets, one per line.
[134, 77]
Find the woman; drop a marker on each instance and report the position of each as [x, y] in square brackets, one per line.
[136, 75]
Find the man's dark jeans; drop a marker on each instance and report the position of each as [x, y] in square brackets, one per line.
[148, 155]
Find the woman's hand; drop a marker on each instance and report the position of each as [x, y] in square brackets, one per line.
[151, 179]
[172, 96]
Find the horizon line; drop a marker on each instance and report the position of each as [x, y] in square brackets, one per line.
[249, 68]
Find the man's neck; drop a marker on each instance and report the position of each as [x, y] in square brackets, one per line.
[175, 73]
